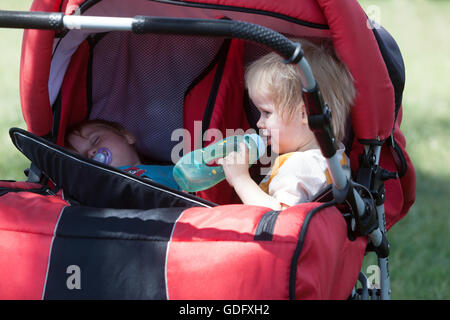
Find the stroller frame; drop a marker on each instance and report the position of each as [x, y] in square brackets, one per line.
[365, 197]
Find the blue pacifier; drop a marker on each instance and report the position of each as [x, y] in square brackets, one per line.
[103, 155]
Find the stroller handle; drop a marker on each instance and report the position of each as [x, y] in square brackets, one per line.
[290, 50]
[31, 20]
[221, 28]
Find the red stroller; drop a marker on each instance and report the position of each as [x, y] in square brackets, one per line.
[78, 229]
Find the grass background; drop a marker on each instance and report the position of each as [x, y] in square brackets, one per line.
[420, 246]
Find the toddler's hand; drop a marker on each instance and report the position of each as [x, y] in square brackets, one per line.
[235, 165]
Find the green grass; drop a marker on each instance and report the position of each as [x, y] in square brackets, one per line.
[420, 246]
[420, 251]
[12, 162]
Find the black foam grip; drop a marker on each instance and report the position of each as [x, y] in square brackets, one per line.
[319, 121]
[217, 28]
[31, 20]
[266, 36]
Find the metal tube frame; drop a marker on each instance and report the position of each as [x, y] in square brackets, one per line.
[383, 263]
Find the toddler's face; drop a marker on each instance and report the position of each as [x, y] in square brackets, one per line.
[92, 137]
[282, 134]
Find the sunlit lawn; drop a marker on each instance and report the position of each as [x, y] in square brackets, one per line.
[420, 254]
[12, 162]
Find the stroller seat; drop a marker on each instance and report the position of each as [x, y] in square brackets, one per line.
[99, 223]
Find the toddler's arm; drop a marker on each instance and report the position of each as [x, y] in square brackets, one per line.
[235, 166]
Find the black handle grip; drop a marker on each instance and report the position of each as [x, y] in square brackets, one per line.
[216, 28]
[319, 121]
[31, 20]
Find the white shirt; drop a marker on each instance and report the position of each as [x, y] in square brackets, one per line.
[297, 177]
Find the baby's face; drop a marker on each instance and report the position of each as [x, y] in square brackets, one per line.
[92, 137]
[282, 134]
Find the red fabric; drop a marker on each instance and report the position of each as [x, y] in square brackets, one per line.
[356, 45]
[302, 10]
[37, 46]
[194, 108]
[20, 185]
[74, 106]
[228, 112]
[27, 223]
[329, 263]
[407, 193]
[71, 6]
[212, 255]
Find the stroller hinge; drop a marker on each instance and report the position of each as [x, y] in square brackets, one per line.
[372, 176]
[35, 175]
[370, 189]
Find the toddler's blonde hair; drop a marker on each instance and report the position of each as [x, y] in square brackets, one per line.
[280, 83]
